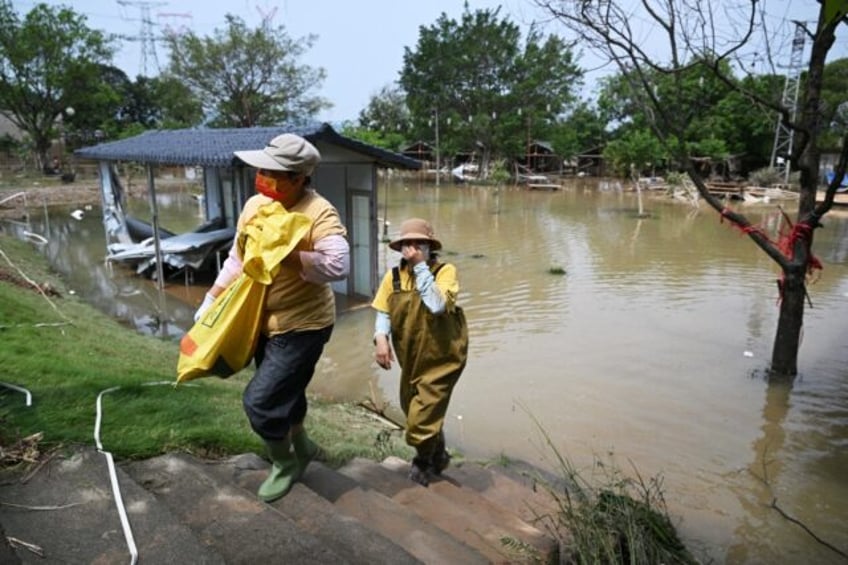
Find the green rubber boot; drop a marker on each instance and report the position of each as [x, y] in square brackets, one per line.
[305, 450]
[283, 471]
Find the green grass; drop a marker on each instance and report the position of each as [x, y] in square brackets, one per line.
[606, 516]
[66, 353]
[613, 518]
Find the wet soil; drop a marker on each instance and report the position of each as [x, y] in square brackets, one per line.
[16, 197]
[14, 200]
[7, 276]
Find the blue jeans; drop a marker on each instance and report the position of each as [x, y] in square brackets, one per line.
[275, 398]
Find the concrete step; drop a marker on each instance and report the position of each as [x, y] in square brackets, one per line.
[184, 510]
[469, 517]
[68, 511]
[533, 505]
[404, 527]
[236, 524]
[533, 494]
[344, 535]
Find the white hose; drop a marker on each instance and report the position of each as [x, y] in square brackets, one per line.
[40, 239]
[20, 389]
[113, 476]
[13, 196]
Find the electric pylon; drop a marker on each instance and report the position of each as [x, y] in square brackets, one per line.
[145, 36]
[783, 133]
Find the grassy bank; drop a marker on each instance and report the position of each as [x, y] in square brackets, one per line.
[66, 353]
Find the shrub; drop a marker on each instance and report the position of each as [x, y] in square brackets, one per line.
[766, 176]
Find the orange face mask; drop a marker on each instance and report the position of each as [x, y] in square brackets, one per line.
[267, 186]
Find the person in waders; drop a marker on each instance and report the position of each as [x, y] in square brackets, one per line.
[417, 311]
[299, 311]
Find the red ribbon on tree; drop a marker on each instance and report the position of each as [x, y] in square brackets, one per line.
[786, 241]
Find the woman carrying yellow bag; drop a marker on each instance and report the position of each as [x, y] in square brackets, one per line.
[223, 340]
[299, 310]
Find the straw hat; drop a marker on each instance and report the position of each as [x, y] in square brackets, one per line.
[416, 229]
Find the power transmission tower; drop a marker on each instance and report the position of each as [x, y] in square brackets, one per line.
[783, 134]
[169, 29]
[267, 15]
[145, 36]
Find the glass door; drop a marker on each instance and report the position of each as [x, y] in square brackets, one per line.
[360, 241]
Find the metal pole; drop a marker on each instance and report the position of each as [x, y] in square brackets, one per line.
[154, 211]
[386, 211]
[437, 147]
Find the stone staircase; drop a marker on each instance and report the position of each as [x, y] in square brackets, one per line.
[185, 510]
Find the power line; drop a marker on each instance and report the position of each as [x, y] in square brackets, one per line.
[145, 36]
[177, 28]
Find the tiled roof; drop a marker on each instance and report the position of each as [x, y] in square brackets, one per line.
[214, 147]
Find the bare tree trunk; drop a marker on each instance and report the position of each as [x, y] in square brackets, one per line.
[806, 156]
[787, 341]
[42, 148]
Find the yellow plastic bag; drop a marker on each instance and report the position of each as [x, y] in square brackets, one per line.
[223, 340]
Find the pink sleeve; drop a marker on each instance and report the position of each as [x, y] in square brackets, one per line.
[330, 260]
[230, 270]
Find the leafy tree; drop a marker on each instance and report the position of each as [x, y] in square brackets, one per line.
[834, 102]
[637, 150]
[384, 122]
[162, 102]
[178, 107]
[46, 59]
[247, 77]
[387, 139]
[583, 128]
[711, 109]
[96, 113]
[662, 87]
[748, 129]
[474, 76]
[387, 111]
[122, 107]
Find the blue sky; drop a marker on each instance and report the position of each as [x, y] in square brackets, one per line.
[360, 42]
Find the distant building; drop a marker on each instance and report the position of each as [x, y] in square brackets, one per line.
[591, 162]
[420, 151]
[541, 158]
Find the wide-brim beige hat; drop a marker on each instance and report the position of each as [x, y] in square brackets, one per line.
[287, 152]
[417, 229]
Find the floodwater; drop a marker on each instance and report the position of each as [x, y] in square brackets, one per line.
[647, 353]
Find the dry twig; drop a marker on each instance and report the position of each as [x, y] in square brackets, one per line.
[36, 286]
[379, 414]
[25, 450]
[15, 542]
[765, 480]
[39, 508]
[804, 527]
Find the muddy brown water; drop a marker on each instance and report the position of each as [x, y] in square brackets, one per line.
[648, 352]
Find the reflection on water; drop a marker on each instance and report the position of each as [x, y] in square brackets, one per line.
[649, 347]
[77, 249]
